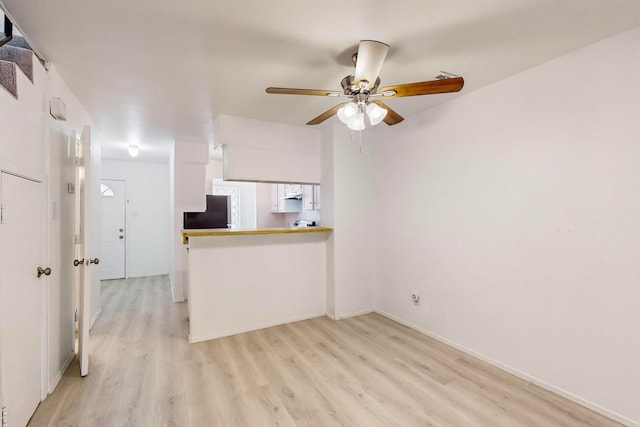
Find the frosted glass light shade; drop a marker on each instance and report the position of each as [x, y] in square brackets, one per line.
[358, 122]
[376, 113]
[347, 113]
[134, 150]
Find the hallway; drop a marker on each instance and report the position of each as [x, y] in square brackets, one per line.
[363, 371]
[139, 333]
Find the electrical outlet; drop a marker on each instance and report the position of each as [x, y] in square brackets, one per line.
[415, 298]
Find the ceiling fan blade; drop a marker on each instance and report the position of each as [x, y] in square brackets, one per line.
[371, 55]
[315, 92]
[324, 116]
[392, 118]
[453, 84]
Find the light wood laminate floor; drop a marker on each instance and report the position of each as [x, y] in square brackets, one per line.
[364, 371]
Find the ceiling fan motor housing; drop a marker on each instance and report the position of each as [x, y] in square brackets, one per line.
[351, 87]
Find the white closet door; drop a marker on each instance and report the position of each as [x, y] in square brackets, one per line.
[20, 296]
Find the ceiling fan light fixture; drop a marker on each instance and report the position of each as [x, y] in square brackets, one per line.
[358, 122]
[347, 113]
[364, 84]
[134, 150]
[376, 113]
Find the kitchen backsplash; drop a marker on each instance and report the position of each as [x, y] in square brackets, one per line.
[290, 218]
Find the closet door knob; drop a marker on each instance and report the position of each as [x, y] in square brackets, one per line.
[45, 271]
[95, 261]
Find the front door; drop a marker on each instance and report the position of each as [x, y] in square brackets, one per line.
[112, 229]
[21, 229]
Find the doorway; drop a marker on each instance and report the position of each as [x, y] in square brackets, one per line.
[113, 229]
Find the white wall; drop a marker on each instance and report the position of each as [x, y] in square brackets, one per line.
[327, 184]
[36, 146]
[175, 261]
[213, 171]
[147, 214]
[347, 206]
[264, 217]
[60, 170]
[187, 171]
[514, 212]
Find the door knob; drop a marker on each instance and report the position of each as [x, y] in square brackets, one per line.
[45, 271]
[77, 262]
[95, 261]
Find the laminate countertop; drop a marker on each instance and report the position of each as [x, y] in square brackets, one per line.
[237, 232]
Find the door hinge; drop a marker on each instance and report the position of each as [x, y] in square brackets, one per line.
[1, 214]
[4, 415]
[75, 316]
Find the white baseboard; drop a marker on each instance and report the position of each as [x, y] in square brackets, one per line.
[95, 317]
[56, 380]
[346, 316]
[198, 338]
[517, 373]
[148, 275]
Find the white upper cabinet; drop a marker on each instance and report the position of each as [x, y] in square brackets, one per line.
[283, 198]
[316, 197]
[311, 197]
[277, 197]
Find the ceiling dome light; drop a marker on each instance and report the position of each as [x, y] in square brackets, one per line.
[376, 113]
[133, 150]
[347, 113]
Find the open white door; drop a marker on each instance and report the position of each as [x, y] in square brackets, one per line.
[83, 244]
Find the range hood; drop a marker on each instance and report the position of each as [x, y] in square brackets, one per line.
[296, 195]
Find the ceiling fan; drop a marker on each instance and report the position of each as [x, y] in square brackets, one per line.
[362, 88]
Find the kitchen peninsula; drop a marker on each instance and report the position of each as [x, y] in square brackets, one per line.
[243, 280]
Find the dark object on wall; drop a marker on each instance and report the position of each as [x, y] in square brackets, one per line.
[216, 215]
[7, 35]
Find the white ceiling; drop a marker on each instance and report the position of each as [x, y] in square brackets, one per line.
[152, 71]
